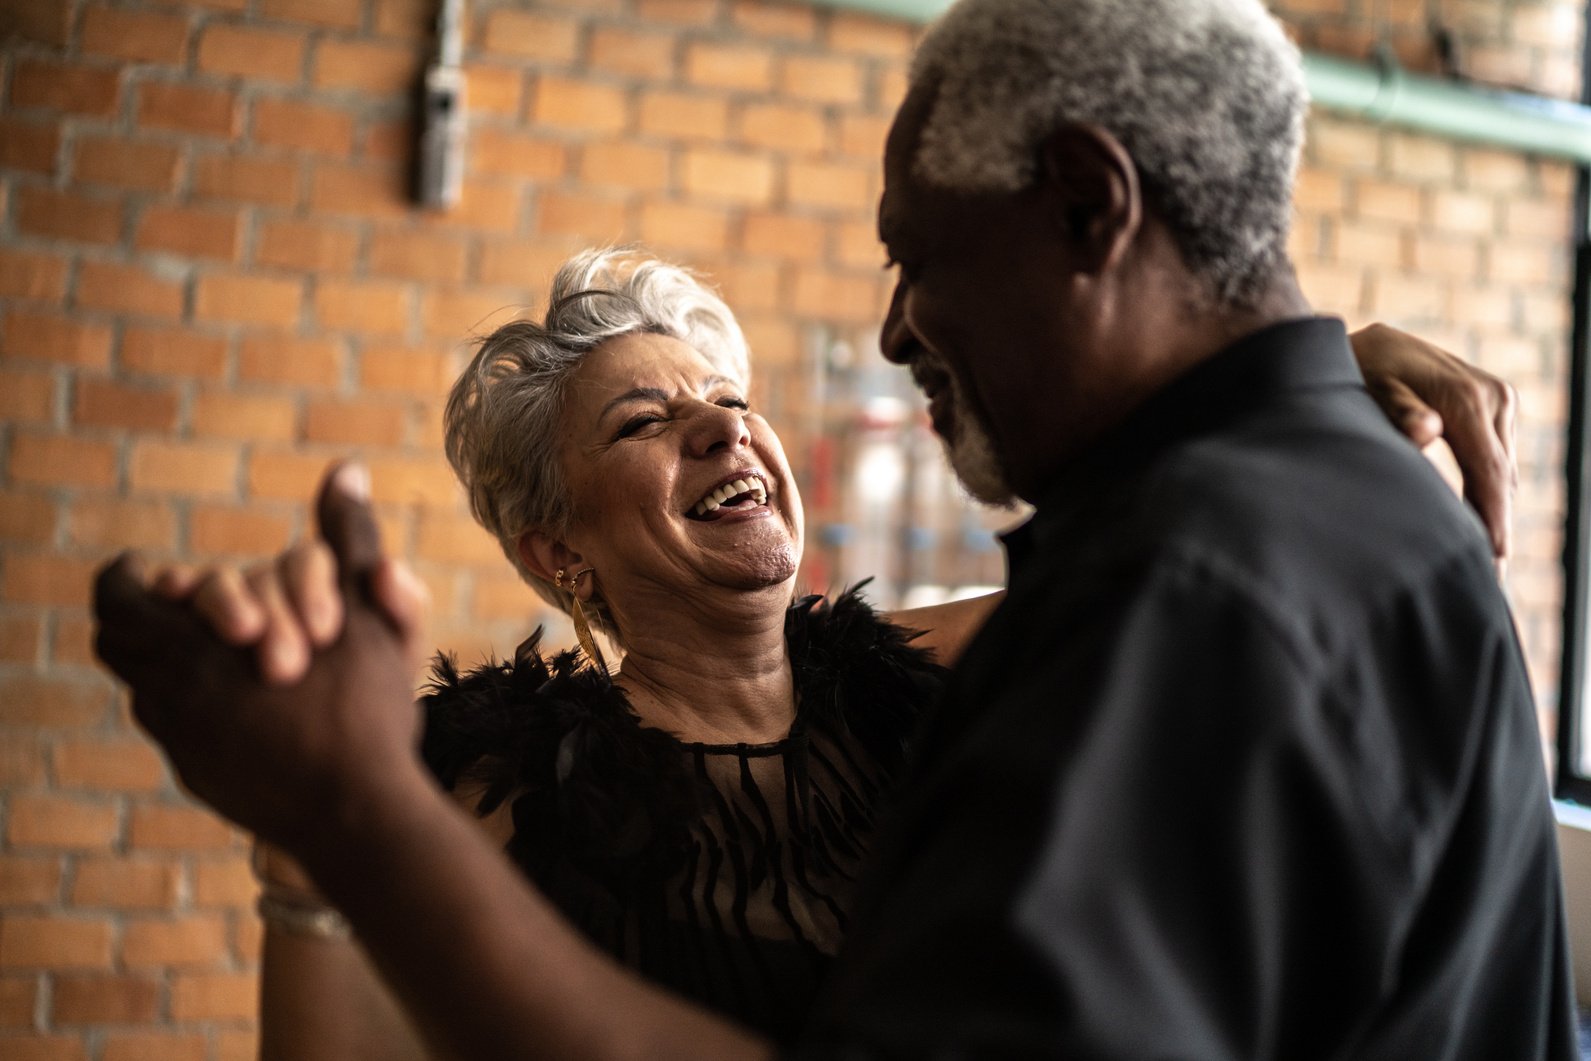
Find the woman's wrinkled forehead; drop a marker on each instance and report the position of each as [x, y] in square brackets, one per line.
[637, 366]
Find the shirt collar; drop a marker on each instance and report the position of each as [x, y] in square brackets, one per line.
[1254, 371]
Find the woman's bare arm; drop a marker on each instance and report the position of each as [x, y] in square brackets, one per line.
[948, 628]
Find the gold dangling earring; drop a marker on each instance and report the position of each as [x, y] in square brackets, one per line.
[588, 644]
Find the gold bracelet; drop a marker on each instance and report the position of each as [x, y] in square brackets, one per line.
[300, 917]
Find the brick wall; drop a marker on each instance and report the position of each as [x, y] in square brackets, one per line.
[210, 283]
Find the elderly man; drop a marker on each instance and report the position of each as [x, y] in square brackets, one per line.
[1245, 766]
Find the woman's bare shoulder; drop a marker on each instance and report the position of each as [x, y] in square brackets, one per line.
[948, 628]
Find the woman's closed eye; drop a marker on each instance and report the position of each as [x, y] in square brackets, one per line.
[637, 423]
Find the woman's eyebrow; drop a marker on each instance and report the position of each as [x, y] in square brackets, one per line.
[654, 394]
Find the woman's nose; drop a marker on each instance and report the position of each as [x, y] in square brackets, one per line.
[714, 427]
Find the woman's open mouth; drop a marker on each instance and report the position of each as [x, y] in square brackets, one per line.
[740, 494]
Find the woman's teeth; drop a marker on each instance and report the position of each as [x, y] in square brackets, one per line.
[715, 499]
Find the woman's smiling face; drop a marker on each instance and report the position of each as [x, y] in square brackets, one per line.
[675, 482]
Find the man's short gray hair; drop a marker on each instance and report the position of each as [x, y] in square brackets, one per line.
[503, 414]
[1207, 96]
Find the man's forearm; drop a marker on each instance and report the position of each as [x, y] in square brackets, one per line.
[483, 964]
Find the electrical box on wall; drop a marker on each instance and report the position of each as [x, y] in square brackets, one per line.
[442, 115]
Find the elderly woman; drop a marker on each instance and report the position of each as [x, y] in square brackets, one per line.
[699, 811]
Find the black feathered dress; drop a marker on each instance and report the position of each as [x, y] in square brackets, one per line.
[724, 872]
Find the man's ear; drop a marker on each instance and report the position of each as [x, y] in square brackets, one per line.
[543, 555]
[1092, 187]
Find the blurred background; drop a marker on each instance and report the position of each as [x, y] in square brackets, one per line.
[215, 277]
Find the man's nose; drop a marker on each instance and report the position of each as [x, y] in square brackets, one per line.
[896, 341]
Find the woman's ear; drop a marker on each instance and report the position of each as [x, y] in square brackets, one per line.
[544, 556]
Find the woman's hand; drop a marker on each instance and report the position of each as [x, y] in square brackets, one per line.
[1429, 394]
[289, 608]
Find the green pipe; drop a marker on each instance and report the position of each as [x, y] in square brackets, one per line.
[1386, 94]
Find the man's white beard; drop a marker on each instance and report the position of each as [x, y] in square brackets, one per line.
[972, 457]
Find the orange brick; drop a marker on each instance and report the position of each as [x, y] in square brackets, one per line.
[303, 126]
[186, 468]
[680, 226]
[684, 116]
[797, 22]
[153, 1046]
[884, 38]
[593, 218]
[52, 703]
[237, 1045]
[454, 314]
[452, 539]
[61, 460]
[188, 109]
[308, 245]
[176, 827]
[782, 236]
[1496, 170]
[363, 306]
[61, 822]
[363, 191]
[246, 178]
[565, 103]
[26, 397]
[29, 880]
[387, 140]
[783, 128]
[1343, 145]
[54, 942]
[417, 256]
[284, 475]
[518, 263]
[127, 883]
[248, 299]
[491, 206]
[507, 154]
[62, 581]
[735, 66]
[102, 403]
[51, 337]
[290, 361]
[219, 530]
[213, 996]
[427, 482]
[1462, 212]
[188, 231]
[821, 79]
[109, 766]
[261, 54]
[139, 36]
[683, 12]
[423, 373]
[406, 19]
[67, 87]
[374, 67]
[184, 942]
[19, 635]
[170, 352]
[28, 146]
[67, 215]
[494, 89]
[838, 186]
[622, 50]
[245, 417]
[19, 997]
[33, 276]
[114, 523]
[342, 14]
[27, 517]
[248, 940]
[45, 1047]
[106, 999]
[354, 423]
[624, 164]
[837, 296]
[45, 21]
[734, 176]
[22, 765]
[224, 882]
[531, 35]
[750, 286]
[127, 289]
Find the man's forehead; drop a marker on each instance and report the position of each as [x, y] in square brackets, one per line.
[900, 148]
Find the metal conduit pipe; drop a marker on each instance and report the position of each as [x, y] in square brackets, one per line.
[1384, 93]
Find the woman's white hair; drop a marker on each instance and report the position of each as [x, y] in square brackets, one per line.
[1207, 96]
[503, 414]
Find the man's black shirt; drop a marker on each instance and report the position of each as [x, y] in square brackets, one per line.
[1245, 766]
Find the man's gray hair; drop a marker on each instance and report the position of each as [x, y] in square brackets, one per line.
[1207, 96]
[504, 412]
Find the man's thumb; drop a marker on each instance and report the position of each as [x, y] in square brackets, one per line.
[346, 523]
